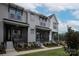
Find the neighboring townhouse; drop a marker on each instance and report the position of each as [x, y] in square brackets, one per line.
[19, 26]
[42, 28]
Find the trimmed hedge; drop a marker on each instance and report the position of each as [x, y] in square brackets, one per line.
[2, 49]
[29, 46]
[50, 44]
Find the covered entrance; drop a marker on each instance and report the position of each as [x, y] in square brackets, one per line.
[14, 34]
[55, 36]
[42, 34]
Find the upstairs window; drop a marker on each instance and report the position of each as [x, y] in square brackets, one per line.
[42, 24]
[42, 21]
[12, 13]
[15, 13]
[18, 14]
[26, 17]
[45, 19]
[32, 31]
[32, 16]
[54, 25]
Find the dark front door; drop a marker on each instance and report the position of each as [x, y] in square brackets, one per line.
[7, 32]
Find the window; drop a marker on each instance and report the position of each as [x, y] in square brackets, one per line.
[54, 25]
[12, 13]
[44, 24]
[37, 36]
[40, 19]
[32, 17]
[15, 13]
[45, 19]
[32, 31]
[41, 23]
[49, 20]
[26, 17]
[18, 14]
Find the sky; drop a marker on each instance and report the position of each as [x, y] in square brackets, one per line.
[67, 13]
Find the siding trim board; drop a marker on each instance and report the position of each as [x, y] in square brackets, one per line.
[43, 28]
[15, 22]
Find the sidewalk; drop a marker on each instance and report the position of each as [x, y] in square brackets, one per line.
[30, 51]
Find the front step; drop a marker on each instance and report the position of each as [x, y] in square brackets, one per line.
[42, 45]
[10, 47]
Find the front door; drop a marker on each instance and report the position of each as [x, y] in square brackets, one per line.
[8, 32]
[8, 38]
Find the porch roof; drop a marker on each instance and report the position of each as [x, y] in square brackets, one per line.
[42, 28]
[18, 23]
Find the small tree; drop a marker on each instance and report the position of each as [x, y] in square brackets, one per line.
[72, 41]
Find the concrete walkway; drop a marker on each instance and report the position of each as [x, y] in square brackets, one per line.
[30, 51]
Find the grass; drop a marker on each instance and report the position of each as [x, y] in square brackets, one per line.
[56, 52]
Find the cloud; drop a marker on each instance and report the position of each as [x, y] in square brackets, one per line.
[30, 6]
[62, 6]
[58, 7]
[72, 23]
[76, 14]
[52, 7]
[62, 26]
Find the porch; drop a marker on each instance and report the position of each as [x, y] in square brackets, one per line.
[42, 34]
[15, 33]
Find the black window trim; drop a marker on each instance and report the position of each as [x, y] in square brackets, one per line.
[15, 8]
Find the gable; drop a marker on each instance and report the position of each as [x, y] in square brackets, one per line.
[53, 17]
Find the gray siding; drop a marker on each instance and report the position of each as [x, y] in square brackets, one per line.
[3, 11]
[31, 36]
[1, 32]
[5, 14]
[52, 21]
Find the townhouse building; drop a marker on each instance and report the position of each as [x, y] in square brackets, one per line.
[18, 25]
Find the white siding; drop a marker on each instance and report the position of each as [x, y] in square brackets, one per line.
[31, 36]
[3, 11]
[5, 14]
[52, 21]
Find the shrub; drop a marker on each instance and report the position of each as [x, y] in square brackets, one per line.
[72, 41]
[25, 45]
[32, 45]
[48, 44]
[18, 47]
[29, 45]
[2, 48]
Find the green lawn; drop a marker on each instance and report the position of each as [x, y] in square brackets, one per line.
[56, 52]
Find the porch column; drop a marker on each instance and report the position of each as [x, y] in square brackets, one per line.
[50, 36]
